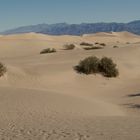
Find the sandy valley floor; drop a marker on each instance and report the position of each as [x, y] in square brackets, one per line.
[43, 98]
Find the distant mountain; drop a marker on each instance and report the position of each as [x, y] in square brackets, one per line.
[77, 29]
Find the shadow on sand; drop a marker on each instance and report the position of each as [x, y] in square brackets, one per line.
[134, 95]
[131, 105]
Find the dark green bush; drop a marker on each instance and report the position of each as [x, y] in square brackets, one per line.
[69, 47]
[93, 65]
[48, 50]
[108, 68]
[88, 66]
[2, 69]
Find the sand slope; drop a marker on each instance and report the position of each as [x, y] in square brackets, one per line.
[42, 97]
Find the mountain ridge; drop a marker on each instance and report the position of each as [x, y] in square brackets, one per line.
[77, 29]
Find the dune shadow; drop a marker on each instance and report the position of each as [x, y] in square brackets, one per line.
[134, 95]
[131, 105]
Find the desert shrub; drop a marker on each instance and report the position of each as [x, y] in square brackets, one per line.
[102, 44]
[88, 65]
[92, 48]
[86, 44]
[69, 47]
[96, 43]
[108, 68]
[93, 65]
[2, 69]
[48, 50]
[115, 47]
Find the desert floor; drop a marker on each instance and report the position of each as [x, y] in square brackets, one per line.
[43, 98]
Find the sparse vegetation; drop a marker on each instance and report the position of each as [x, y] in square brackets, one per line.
[86, 44]
[48, 50]
[69, 47]
[108, 68]
[96, 43]
[2, 69]
[115, 47]
[93, 48]
[102, 44]
[93, 65]
[88, 66]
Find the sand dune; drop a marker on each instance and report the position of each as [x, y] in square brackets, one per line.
[42, 97]
[113, 37]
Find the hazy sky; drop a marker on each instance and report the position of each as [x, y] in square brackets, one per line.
[14, 13]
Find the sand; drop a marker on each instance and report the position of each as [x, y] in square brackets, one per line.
[43, 98]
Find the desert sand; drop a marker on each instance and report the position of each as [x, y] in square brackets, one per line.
[43, 98]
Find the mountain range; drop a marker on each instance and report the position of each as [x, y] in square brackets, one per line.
[77, 29]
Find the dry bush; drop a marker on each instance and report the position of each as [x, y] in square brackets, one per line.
[86, 44]
[69, 46]
[88, 65]
[102, 44]
[108, 68]
[2, 69]
[92, 48]
[48, 50]
[115, 47]
[93, 65]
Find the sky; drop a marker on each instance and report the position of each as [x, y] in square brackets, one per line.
[15, 13]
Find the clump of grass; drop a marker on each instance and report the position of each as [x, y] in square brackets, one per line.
[86, 44]
[93, 65]
[69, 46]
[48, 50]
[2, 69]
